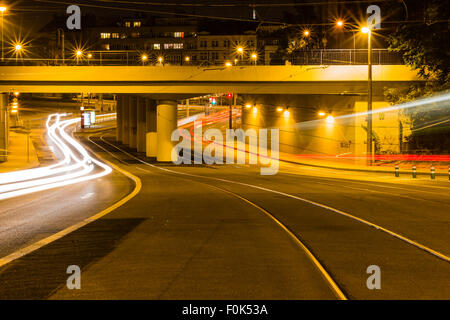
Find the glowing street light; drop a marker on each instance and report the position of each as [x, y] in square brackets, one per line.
[144, 58]
[306, 33]
[365, 30]
[321, 114]
[248, 106]
[339, 23]
[279, 109]
[160, 59]
[2, 10]
[254, 57]
[187, 59]
[79, 53]
[89, 55]
[240, 52]
[228, 64]
[18, 47]
[16, 93]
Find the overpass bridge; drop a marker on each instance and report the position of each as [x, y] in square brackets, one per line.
[168, 81]
[148, 94]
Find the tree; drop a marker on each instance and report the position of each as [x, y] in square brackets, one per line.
[422, 42]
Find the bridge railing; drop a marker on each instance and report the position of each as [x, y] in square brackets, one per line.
[130, 58]
[345, 56]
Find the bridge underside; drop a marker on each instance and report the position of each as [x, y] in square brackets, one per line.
[147, 95]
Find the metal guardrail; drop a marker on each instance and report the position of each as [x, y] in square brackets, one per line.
[345, 57]
[130, 58]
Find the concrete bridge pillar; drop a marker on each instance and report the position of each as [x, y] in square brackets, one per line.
[150, 128]
[132, 124]
[4, 130]
[119, 118]
[141, 124]
[166, 123]
[125, 119]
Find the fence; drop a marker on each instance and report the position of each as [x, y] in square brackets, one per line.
[129, 57]
[344, 56]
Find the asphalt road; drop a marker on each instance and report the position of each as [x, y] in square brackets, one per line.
[189, 235]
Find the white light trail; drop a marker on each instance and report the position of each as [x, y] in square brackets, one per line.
[76, 165]
[443, 100]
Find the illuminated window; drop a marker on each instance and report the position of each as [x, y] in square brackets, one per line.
[105, 35]
[127, 24]
[136, 24]
[178, 34]
[173, 46]
[115, 35]
[156, 46]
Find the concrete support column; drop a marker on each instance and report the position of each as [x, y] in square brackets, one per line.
[132, 126]
[125, 119]
[141, 124]
[119, 118]
[166, 123]
[150, 128]
[4, 130]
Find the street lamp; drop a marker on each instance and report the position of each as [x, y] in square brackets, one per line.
[254, 57]
[160, 59]
[339, 23]
[367, 31]
[144, 58]
[240, 52]
[306, 33]
[2, 10]
[18, 47]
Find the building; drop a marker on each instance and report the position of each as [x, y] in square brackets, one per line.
[152, 40]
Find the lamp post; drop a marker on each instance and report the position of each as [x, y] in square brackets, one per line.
[78, 55]
[369, 93]
[254, 57]
[18, 48]
[240, 52]
[61, 42]
[144, 59]
[2, 10]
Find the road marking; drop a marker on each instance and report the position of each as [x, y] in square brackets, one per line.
[87, 195]
[41, 243]
[337, 291]
[392, 233]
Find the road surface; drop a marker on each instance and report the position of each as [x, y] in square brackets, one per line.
[226, 232]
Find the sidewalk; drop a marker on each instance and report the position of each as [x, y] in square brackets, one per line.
[345, 164]
[17, 154]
